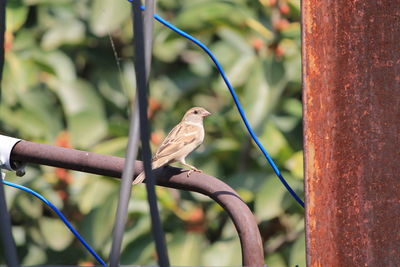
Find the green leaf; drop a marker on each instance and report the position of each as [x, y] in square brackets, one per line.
[257, 102]
[274, 141]
[31, 207]
[223, 253]
[185, 249]
[203, 14]
[105, 17]
[64, 32]
[35, 255]
[298, 252]
[17, 14]
[275, 260]
[85, 113]
[139, 252]
[295, 164]
[92, 192]
[268, 204]
[97, 233]
[167, 49]
[56, 235]
[43, 109]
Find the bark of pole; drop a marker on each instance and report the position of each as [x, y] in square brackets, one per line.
[351, 75]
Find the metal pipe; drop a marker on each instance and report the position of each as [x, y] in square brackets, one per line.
[243, 219]
[351, 77]
[125, 191]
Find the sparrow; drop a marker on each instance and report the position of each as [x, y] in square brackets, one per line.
[180, 142]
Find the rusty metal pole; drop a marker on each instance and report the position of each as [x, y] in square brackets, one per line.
[351, 75]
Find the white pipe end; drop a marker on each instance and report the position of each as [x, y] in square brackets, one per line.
[6, 145]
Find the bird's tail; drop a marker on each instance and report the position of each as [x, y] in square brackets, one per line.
[141, 176]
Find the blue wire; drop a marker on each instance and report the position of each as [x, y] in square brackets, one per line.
[62, 217]
[235, 98]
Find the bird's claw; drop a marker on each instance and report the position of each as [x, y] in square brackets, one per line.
[193, 170]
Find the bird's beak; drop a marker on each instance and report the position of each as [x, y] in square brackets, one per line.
[206, 113]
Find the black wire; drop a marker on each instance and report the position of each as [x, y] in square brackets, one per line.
[2, 33]
[7, 239]
[10, 251]
[126, 187]
[143, 43]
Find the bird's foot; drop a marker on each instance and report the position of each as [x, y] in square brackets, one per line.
[193, 170]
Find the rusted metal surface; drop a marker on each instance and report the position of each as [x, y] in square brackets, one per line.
[351, 75]
[243, 219]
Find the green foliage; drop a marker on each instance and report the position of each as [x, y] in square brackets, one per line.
[69, 81]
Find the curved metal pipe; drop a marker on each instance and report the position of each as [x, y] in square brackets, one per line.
[243, 219]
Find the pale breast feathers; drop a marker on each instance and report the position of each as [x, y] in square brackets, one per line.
[182, 135]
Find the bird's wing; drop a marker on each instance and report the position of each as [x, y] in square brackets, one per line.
[180, 136]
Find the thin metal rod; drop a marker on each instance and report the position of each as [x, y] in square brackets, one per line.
[351, 90]
[243, 219]
[125, 188]
[143, 43]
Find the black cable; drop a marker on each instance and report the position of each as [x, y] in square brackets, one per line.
[10, 251]
[143, 43]
[2, 33]
[126, 187]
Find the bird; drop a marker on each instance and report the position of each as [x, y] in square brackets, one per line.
[185, 137]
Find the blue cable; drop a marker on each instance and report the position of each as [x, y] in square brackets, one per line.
[235, 98]
[62, 217]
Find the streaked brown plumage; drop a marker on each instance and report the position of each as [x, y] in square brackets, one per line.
[180, 142]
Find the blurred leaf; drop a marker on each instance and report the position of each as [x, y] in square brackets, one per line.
[200, 14]
[17, 14]
[293, 107]
[268, 203]
[55, 233]
[38, 102]
[92, 193]
[295, 164]
[106, 17]
[20, 73]
[168, 49]
[292, 31]
[19, 235]
[297, 253]
[186, 249]
[35, 256]
[85, 113]
[223, 253]
[97, 233]
[275, 142]
[65, 32]
[57, 63]
[114, 146]
[275, 260]
[31, 207]
[258, 102]
[139, 251]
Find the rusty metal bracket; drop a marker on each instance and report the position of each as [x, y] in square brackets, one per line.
[243, 219]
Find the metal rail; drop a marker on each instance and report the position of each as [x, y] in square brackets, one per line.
[243, 219]
[351, 77]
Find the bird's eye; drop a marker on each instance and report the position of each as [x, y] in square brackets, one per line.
[195, 112]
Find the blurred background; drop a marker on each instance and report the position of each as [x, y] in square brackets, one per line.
[69, 81]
